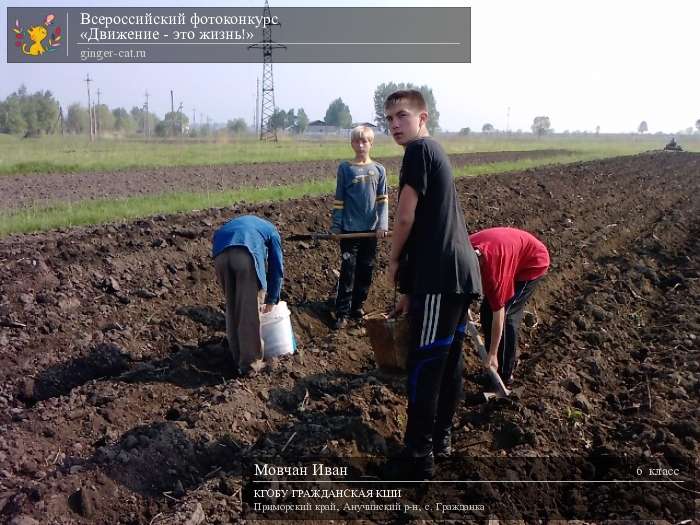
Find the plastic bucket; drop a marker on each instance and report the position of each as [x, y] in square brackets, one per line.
[390, 339]
[276, 332]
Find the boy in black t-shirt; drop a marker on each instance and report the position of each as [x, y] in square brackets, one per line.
[436, 268]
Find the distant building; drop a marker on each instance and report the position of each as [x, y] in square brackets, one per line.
[319, 127]
[366, 124]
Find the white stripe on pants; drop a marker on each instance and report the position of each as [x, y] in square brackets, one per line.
[431, 317]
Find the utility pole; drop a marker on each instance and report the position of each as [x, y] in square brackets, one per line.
[97, 118]
[256, 119]
[268, 84]
[146, 123]
[87, 81]
[172, 113]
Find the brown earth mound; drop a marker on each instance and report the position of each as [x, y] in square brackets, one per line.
[22, 191]
[118, 403]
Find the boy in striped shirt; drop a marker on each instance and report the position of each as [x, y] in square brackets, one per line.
[361, 205]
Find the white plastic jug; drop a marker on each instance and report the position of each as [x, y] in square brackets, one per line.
[276, 332]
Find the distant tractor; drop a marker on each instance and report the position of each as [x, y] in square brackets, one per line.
[673, 146]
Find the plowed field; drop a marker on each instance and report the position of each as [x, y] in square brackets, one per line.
[117, 397]
[21, 191]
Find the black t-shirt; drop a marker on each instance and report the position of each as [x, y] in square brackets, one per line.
[437, 257]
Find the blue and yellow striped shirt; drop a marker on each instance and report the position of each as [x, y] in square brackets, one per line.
[361, 199]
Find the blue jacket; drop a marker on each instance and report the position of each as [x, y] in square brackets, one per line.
[264, 244]
[361, 200]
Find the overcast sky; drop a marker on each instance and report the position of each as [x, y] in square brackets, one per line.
[583, 64]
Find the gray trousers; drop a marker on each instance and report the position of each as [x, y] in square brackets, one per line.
[235, 271]
[514, 311]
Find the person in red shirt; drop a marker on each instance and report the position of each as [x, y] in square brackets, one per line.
[512, 262]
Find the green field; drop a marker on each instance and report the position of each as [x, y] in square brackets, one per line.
[66, 215]
[76, 154]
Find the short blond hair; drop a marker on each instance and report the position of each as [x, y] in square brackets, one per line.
[362, 131]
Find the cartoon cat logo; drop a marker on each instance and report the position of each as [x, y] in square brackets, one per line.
[36, 36]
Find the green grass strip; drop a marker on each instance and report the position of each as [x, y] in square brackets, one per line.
[67, 215]
[71, 154]
[75, 154]
[523, 164]
[88, 212]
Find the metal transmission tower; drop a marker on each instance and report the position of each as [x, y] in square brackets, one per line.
[268, 84]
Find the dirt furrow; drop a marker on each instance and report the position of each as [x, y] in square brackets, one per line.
[113, 360]
[22, 191]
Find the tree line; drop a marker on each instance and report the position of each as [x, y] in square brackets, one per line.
[338, 112]
[40, 113]
[30, 115]
[540, 126]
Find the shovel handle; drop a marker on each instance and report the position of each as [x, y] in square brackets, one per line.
[362, 235]
[501, 390]
[333, 236]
